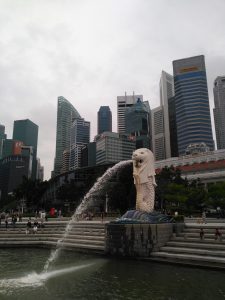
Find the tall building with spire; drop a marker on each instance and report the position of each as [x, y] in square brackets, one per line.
[192, 103]
[219, 111]
[66, 113]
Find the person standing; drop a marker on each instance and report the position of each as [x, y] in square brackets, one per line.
[202, 233]
[218, 235]
[29, 225]
[6, 221]
[204, 217]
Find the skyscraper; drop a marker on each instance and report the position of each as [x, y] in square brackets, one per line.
[66, 113]
[138, 125]
[27, 132]
[158, 135]
[166, 87]
[219, 111]
[123, 102]
[173, 127]
[192, 103]
[80, 136]
[113, 147]
[104, 119]
[3, 136]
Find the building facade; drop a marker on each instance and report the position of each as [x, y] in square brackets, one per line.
[209, 167]
[104, 119]
[88, 155]
[11, 147]
[40, 170]
[166, 88]
[66, 113]
[124, 102]
[113, 147]
[138, 124]
[192, 103]
[3, 136]
[173, 127]
[27, 132]
[158, 135]
[12, 170]
[80, 136]
[219, 111]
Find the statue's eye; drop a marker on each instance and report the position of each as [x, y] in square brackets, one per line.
[142, 152]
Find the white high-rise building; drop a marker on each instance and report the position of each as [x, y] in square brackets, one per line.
[161, 140]
[122, 103]
[166, 87]
[158, 136]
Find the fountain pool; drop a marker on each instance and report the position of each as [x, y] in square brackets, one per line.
[76, 276]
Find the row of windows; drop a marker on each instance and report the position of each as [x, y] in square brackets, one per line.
[196, 124]
[180, 86]
[191, 86]
[183, 135]
[189, 94]
[189, 82]
[190, 75]
[189, 113]
[183, 106]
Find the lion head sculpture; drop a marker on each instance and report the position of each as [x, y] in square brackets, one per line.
[143, 165]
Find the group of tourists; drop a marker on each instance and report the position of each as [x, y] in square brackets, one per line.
[33, 228]
[5, 218]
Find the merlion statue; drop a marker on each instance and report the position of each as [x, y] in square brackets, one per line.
[144, 179]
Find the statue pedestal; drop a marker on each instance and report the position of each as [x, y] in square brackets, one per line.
[137, 233]
[136, 239]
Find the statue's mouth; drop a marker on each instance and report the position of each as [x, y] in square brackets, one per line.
[138, 163]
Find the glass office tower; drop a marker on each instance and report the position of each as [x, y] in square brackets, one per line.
[27, 132]
[124, 102]
[137, 124]
[192, 103]
[80, 136]
[66, 113]
[104, 119]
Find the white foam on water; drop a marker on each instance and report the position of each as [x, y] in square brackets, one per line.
[35, 280]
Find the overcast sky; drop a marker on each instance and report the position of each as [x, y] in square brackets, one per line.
[91, 51]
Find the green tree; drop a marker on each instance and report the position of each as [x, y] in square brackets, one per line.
[216, 195]
[31, 191]
[176, 196]
[70, 193]
[167, 176]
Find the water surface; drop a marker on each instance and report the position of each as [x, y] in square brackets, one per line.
[76, 276]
